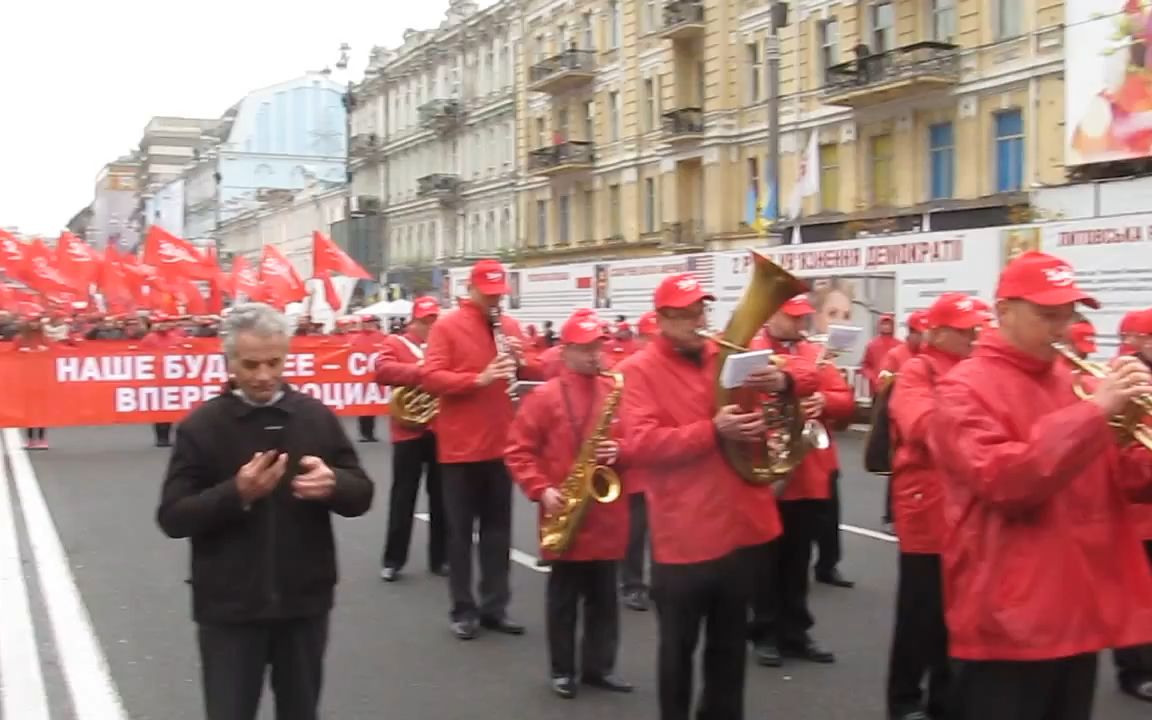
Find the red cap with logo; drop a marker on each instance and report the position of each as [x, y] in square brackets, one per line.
[798, 306]
[679, 291]
[954, 310]
[1041, 279]
[1083, 337]
[1141, 323]
[918, 321]
[489, 278]
[582, 328]
[647, 326]
[423, 307]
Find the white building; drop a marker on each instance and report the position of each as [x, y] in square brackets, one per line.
[434, 139]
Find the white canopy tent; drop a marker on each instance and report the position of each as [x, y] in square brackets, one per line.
[388, 308]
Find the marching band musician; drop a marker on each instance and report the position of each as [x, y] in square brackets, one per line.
[1042, 563]
[893, 361]
[1126, 332]
[472, 379]
[548, 433]
[920, 636]
[702, 515]
[878, 348]
[400, 364]
[781, 618]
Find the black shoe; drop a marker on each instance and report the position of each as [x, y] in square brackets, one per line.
[564, 686]
[834, 578]
[389, 574]
[464, 629]
[636, 600]
[163, 443]
[502, 625]
[441, 570]
[807, 649]
[1139, 689]
[912, 715]
[767, 654]
[608, 682]
[368, 440]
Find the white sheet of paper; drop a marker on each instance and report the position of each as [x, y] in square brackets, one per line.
[842, 338]
[738, 366]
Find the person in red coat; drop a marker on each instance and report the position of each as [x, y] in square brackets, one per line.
[893, 361]
[550, 429]
[919, 636]
[474, 380]
[1043, 564]
[878, 348]
[702, 515]
[400, 363]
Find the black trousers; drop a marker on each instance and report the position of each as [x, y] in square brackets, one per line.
[478, 493]
[591, 584]
[828, 535]
[235, 658]
[919, 639]
[888, 499]
[163, 432]
[367, 426]
[1039, 690]
[714, 595]
[632, 575]
[34, 434]
[1134, 664]
[781, 575]
[412, 459]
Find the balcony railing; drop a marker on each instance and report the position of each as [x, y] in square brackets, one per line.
[363, 144]
[892, 75]
[570, 155]
[445, 186]
[440, 115]
[559, 73]
[684, 124]
[683, 19]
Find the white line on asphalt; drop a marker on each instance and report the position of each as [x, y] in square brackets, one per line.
[94, 695]
[517, 556]
[22, 693]
[875, 535]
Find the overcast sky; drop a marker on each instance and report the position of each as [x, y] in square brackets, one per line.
[82, 78]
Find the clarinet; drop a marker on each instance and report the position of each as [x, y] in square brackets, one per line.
[502, 348]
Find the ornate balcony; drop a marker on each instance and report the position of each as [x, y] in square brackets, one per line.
[683, 19]
[684, 124]
[560, 73]
[892, 75]
[443, 186]
[441, 115]
[565, 157]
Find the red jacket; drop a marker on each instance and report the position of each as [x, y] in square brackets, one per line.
[872, 364]
[917, 484]
[399, 364]
[542, 445]
[699, 509]
[473, 420]
[550, 362]
[637, 481]
[1042, 558]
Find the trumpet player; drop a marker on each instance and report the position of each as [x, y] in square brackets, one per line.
[553, 425]
[1042, 561]
[400, 363]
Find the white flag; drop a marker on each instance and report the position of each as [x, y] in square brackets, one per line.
[808, 181]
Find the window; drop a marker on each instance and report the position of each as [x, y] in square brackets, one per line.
[614, 109]
[754, 177]
[881, 177]
[614, 29]
[1007, 19]
[562, 124]
[829, 43]
[755, 72]
[562, 34]
[563, 219]
[542, 138]
[651, 206]
[1009, 150]
[540, 47]
[590, 121]
[541, 223]
[700, 93]
[651, 16]
[587, 32]
[589, 215]
[941, 160]
[615, 209]
[830, 177]
[883, 26]
[649, 104]
[943, 20]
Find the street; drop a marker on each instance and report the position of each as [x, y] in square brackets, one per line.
[390, 654]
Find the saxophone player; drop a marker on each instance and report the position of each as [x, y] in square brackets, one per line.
[551, 427]
[400, 363]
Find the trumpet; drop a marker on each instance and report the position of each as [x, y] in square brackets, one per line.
[1131, 424]
[815, 433]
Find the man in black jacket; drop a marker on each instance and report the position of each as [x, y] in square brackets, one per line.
[252, 482]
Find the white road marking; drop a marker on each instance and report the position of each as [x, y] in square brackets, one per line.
[22, 693]
[517, 556]
[874, 534]
[94, 694]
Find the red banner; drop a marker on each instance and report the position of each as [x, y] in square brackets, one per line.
[116, 382]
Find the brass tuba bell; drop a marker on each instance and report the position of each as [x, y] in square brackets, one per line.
[412, 407]
[1130, 425]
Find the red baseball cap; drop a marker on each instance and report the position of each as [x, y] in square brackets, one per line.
[954, 310]
[798, 307]
[679, 291]
[918, 321]
[647, 325]
[582, 328]
[489, 277]
[1139, 323]
[1083, 337]
[1041, 279]
[423, 307]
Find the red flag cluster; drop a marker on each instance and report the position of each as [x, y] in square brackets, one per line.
[170, 276]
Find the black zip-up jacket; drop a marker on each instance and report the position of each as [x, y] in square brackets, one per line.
[277, 558]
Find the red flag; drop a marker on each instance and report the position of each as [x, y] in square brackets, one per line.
[114, 283]
[77, 262]
[12, 255]
[245, 279]
[328, 258]
[173, 256]
[40, 274]
[281, 282]
[330, 294]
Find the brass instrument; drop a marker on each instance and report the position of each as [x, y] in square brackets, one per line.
[587, 480]
[412, 407]
[1130, 425]
[768, 463]
[503, 349]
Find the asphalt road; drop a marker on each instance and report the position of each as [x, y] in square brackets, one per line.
[391, 654]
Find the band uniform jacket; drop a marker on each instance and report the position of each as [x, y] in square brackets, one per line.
[897, 356]
[551, 426]
[1042, 557]
[398, 364]
[872, 364]
[636, 481]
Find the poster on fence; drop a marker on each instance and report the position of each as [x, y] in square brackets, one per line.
[113, 383]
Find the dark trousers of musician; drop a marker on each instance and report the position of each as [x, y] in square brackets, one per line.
[1134, 664]
[781, 576]
[235, 659]
[587, 589]
[163, 433]
[919, 640]
[1024, 690]
[411, 460]
[828, 547]
[712, 596]
[478, 494]
[367, 427]
[632, 570]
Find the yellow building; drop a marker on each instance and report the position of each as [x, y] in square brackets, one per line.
[643, 123]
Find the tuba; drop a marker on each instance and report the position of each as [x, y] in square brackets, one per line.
[412, 407]
[1130, 425]
[586, 479]
[770, 462]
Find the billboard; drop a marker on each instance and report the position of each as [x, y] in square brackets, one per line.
[1107, 81]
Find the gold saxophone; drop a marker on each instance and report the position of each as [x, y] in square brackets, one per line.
[587, 480]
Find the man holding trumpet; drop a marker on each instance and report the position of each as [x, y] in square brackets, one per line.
[1043, 564]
